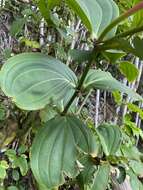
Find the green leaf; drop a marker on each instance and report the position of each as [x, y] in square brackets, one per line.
[110, 138]
[87, 174]
[15, 175]
[4, 164]
[129, 70]
[56, 148]
[11, 154]
[17, 27]
[29, 43]
[138, 46]
[33, 80]
[80, 55]
[122, 175]
[113, 56]
[12, 188]
[103, 80]
[101, 177]
[136, 109]
[117, 97]
[131, 152]
[21, 162]
[47, 113]
[134, 47]
[45, 7]
[96, 15]
[137, 167]
[2, 172]
[135, 182]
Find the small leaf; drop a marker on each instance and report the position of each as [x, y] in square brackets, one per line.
[136, 109]
[29, 43]
[80, 55]
[17, 27]
[110, 138]
[113, 56]
[56, 148]
[103, 80]
[117, 97]
[45, 7]
[129, 70]
[101, 178]
[2, 172]
[21, 162]
[15, 175]
[138, 46]
[11, 154]
[122, 175]
[12, 188]
[4, 164]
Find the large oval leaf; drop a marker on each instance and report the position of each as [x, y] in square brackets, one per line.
[103, 80]
[55, 150]
[33, 80]
[96, 15]
[110, 138]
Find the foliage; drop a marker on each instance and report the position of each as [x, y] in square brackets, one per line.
[49, 140]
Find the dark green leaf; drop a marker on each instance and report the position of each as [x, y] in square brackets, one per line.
[122, 175]
[45, 7]
[56, 149]
[87, 174]
[110, 138]
[138, 46]
[101, 178]
[80, 55]
[15, 175]
[17, 27]
[113, 56]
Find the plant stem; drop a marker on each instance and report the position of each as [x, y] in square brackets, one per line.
[83, 103]
[115, 22]
[80, 83]
[125, 34]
